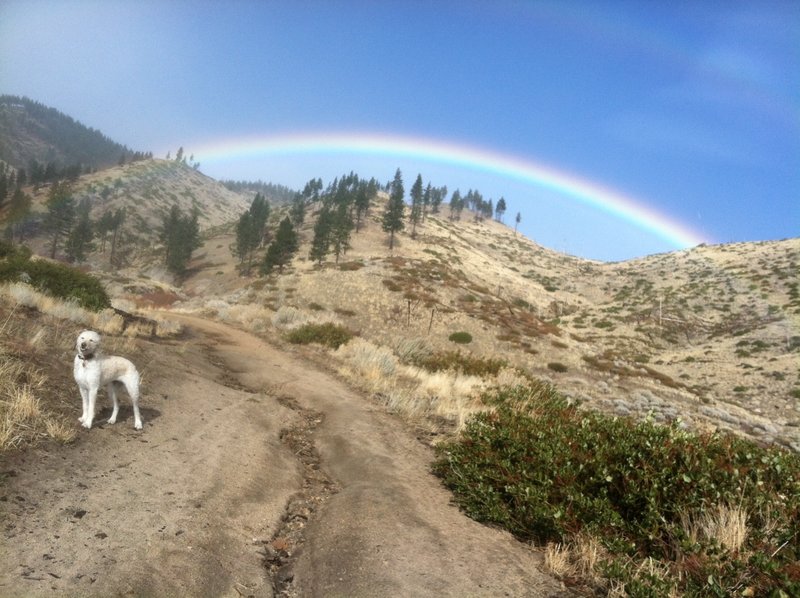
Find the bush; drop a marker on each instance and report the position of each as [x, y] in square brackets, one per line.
[462, 338]
[459, 362]
[56, 280]
[557, 367]
[327, 334]
[546, 471]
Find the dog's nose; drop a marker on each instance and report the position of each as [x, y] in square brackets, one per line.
[83, 345]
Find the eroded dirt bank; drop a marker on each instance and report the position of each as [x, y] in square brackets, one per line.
[256, 474]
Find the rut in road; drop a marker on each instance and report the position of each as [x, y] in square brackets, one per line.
[280, 551]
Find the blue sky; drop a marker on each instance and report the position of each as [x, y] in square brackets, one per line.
[688, 109]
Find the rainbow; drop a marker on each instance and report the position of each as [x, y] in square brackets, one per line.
[635, 212]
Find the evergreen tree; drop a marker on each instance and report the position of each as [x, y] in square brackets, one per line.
[297, 211]
[416, 204]
[439, 195]
[18, 211]
[393, 216]
[312, 189]
[500, 209]
[79, 241]
[181, 236]
[244, 238]
[60, 215]
[116, 228]
[364, 194]
[4, 188]
[103, 226]
[321, 243]
[282, 248]
[427, 198]
[251, 230]
[341, 228]
[518, 219]
[456, 205]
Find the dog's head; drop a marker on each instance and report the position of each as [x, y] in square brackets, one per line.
[88, 344]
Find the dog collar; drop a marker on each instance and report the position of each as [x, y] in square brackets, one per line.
[85, 358]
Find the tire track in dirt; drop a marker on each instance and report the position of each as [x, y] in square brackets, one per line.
[281, 551]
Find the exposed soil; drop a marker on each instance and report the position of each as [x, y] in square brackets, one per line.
[256, 474]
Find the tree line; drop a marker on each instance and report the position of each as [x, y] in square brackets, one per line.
[341, 209]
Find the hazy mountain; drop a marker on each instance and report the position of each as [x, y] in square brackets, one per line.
[32, 131]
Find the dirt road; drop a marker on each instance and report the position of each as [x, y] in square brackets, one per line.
[256, 474]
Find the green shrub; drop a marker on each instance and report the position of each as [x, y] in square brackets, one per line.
[557, 367]
[462, 338]
[545, 471]
[56, 280]
[459, 362]
[327, 334]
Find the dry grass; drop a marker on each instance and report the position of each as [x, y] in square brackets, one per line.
[580, 558]
[106, 321]
[411, 391]
[725, 526]
[23, 420]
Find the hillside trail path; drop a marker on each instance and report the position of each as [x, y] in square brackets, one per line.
[257, 474]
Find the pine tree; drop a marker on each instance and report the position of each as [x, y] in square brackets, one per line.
[341, 228]
[416, 204]
[251, 230]
[517, 221]
[364, 194]
[116, 229]
[500, 209]
[456, 205]
[320, 245]
[281, 250]
[297, 211]
[181, 236]
[60, 215]
[393, 216]
[103, 226]
[79, 241]
[18, 211]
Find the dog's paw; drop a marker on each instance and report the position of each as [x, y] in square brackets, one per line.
[138, 425]
[87, 425]
[112, 420]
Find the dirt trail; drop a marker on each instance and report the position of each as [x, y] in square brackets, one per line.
[256, 474]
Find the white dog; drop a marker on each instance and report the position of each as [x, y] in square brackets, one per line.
[93, 370]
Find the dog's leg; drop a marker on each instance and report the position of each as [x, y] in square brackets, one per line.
[87, 421]
[132, 386]
[112, 394]
[85, 401]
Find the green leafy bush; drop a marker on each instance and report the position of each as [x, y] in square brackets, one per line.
[327, 334]
[545, 470]
[459, 362]
[56, 280]
[462, 338]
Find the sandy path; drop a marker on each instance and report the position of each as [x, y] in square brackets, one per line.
[247, 452]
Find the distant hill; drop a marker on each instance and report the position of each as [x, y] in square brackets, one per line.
[30, 131]
[146, 190]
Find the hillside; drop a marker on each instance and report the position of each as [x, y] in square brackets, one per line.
[30, 131]
[710, 334]
[146, 190]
